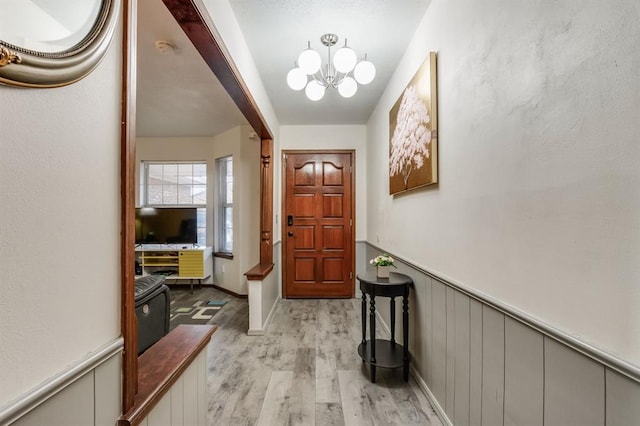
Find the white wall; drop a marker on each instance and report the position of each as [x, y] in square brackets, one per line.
[228, 274]
[226, 271]
[227, 31]
[330, 137]
[186, 402]
[59, 224]
[247, 188]
[91, 394]
[225, 27]
[538, 200]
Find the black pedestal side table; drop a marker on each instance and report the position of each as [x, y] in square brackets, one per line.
[380, 352]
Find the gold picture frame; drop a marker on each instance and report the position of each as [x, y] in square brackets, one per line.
[413, 132]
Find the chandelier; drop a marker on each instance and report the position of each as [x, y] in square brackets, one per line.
[343, 73]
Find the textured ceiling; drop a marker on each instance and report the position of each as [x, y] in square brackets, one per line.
[278, 30]
[177, 94]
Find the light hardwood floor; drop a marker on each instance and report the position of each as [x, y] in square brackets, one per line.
[305, 370]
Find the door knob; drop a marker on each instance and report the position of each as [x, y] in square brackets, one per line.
[290, 233]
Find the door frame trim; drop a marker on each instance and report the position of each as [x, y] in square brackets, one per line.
[283, 230]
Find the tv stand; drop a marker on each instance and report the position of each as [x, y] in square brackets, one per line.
[174, 262]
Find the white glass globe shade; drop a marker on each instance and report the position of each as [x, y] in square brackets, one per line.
[296, 79]
[348, 87]
[364, 72]
[309, 61]
[314, 90]
[345, 59]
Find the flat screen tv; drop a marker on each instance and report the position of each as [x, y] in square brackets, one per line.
[166, 225]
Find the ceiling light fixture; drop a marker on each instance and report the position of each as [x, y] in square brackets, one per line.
[337, 73]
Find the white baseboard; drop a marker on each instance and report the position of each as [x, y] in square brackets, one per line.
[432, 399]
[419, 380]
[270, 316]
[15, 409]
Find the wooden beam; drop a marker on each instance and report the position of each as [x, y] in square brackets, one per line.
[218, 59]
[129, 326]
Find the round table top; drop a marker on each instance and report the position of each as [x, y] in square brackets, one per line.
[395, 278]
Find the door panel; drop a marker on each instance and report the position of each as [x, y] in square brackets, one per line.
[304, 175]
[305, 236]
[304, 205]
[333, 237]
[332, 205]
[332, 175]
[318, 239]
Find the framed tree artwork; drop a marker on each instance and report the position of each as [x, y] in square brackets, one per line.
[413, 132]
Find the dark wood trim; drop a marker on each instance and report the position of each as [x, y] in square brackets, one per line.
[283, 229]
[215, 54]
[129, 325]
[223, 255]
[212, 49]
[163, 364]
[232, 293]
[353, 221]
[283, 209]
[259, 272]
[266, 201]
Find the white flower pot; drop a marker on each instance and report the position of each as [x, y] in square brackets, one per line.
[383, 271]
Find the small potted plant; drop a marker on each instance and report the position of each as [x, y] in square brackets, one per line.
[383, 263]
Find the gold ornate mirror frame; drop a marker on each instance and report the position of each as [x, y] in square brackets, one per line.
[29, 68]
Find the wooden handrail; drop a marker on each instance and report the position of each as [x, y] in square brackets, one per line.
[259, 272]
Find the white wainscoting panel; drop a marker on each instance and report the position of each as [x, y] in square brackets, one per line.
[451, 352]
[439, 349]
[203, 394]
[426, 327]
[161, 413]
[573, 387]
[177, 403]
[419, 337]
[623, 400]
[475, 363]
[486, 365]
[190, 392]
[72, 406]
[524, 375]
[87, 392]
[186, 402]
[461, 359]
[108, 391]
[492, 367]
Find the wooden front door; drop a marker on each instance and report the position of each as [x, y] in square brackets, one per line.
[317, 224]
